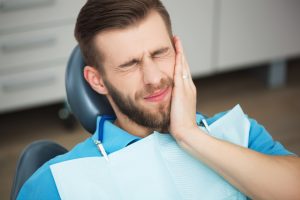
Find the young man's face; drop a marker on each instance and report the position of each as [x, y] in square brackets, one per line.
[138, 64]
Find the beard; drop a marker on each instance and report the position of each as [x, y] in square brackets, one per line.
[157, 120]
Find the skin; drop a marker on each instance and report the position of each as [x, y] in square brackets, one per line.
[138, 42]
[257, 175]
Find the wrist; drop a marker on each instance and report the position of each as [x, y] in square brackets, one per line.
[183, 135]
[193, 140]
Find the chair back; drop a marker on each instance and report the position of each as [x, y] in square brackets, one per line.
[32, 158]
[84, 102]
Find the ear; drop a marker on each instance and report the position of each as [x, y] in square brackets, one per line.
[95, 79]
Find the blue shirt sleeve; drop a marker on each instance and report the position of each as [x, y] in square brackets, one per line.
[40, 186]
[260, 140]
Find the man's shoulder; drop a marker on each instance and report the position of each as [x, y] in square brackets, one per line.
[41, 184]
[260, 139]
[83, 149]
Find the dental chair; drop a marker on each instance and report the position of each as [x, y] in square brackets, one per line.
[84, 103]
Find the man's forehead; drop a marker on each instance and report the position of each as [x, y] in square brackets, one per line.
[147, 36]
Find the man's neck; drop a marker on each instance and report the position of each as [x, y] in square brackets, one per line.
[131, 127]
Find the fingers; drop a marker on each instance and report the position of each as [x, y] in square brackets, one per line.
[178, 45]
[182, 67]
[178, 71]
[179, 52]
[183, 104]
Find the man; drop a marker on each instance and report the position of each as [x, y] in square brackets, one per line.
[133, 58]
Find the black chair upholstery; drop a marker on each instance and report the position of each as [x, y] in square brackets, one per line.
[84, 102]
[33, 157]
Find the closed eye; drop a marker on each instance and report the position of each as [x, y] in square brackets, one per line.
[129, 63]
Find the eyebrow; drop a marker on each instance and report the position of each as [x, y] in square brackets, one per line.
[136, 60]
[160, 51]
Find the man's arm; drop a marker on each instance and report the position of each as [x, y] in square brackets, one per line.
[257, 175]
[40, 185]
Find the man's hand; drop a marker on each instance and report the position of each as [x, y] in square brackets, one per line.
[183, 104]
[257, 175]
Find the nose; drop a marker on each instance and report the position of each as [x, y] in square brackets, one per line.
[152, 74]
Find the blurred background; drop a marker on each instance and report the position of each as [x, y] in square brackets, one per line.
[239, 51]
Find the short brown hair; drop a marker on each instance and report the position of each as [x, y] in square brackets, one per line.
[100, 15]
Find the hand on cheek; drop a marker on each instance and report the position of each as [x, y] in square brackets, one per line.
[183, 104]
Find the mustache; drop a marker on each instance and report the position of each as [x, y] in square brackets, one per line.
[150, 89]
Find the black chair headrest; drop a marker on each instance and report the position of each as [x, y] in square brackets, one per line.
[84, 102]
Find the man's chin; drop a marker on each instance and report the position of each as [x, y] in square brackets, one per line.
[163, 122]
